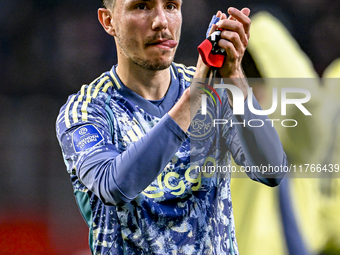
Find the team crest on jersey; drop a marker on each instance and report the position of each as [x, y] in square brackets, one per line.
[202, 126]
[86, 137]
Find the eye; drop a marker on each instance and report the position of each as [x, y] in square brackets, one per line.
[171, 6]
[141, 6]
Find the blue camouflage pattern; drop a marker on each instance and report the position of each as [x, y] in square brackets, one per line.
[183, 211]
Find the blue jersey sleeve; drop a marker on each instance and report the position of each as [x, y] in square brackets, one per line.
[258, 146]
[119, 178]
[116, 176]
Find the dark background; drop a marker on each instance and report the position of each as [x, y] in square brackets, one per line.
[48, 49]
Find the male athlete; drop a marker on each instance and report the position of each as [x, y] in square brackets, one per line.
[126, 140]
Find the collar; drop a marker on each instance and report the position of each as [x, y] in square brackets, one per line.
[160, 110]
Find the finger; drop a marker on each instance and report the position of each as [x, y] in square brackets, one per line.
[234, 26]
[241, 16]
[232, 54]
[234, 38]
[246, 11]
[214, 27]
[231, 17]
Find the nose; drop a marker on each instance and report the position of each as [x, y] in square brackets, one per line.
[160, 20]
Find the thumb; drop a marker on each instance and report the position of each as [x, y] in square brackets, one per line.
[214, 27]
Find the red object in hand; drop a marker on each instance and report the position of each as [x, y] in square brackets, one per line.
[212, 55]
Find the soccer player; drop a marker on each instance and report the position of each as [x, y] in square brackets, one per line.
[126, 140]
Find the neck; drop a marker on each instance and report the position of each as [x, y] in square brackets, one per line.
[152, 85]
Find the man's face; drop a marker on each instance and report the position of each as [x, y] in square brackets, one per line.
[148, 31]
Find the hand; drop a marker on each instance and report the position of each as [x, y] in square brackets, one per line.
[234, 39]
[201, 66]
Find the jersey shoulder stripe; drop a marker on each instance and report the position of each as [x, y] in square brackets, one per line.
[189, 69]
[77, 107]
[187, 72]
[174, 74]
[114, 79]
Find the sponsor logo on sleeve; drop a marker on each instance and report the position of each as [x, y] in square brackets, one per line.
[86, 137]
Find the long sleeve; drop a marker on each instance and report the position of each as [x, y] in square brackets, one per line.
[255, 146]
[117, 178]
[258, 146]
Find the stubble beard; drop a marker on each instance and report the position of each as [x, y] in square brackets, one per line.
[150, 65]
[145, 63]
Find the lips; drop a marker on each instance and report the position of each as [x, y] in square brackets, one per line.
[166, 44]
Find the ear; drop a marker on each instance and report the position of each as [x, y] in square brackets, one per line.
[105, 18]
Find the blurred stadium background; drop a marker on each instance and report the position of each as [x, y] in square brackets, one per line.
[48, 49]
